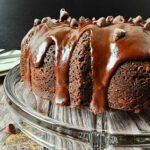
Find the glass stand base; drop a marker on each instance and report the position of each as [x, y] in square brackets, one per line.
[57, 127]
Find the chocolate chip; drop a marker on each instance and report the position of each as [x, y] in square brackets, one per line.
[137, 20]
[109, 20]
[45, 19]
[87, 19]
[130, 19]
[118, 33]
[54, 20]
[101, 22]
[37, 22]
[63, 15]
[147, 26]
[93, 19]
[81, 19]
[119, 19]
[74, 22]
[148, 20]
[50, 23]
[69, 19]
[10, 129]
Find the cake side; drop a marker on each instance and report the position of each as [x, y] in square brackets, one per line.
[80, 75]
[43, 78]
[129, 87]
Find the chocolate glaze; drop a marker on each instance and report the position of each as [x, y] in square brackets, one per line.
[107, 54]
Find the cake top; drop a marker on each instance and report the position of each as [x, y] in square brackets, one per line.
[101, 22]
[113, 41]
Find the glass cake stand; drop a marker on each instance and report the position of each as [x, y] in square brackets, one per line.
[65, 128]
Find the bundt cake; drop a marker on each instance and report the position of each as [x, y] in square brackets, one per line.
[97, 64]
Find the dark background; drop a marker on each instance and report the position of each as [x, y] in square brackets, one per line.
[16, 16]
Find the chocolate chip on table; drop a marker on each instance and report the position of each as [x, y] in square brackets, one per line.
[10, 129]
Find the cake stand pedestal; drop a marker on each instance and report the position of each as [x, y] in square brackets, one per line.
[57, 127]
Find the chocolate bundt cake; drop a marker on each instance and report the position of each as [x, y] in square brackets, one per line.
[98, 64]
